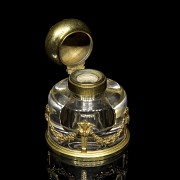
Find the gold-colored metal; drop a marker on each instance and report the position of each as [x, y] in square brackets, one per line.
[87, 82]
[85, 129]
[58, 165]
[69, 42]
[84, 175]
[89, 156]
[108, 140]
[47, 113]
[60, 137]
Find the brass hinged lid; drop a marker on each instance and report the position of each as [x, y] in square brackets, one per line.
[69, 42]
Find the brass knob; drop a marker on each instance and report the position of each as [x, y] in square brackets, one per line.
[69, 42]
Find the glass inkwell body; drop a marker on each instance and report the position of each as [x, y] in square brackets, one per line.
[86, 113]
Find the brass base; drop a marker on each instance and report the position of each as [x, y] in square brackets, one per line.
[90, 157]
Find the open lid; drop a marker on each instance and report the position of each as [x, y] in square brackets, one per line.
[69, 42]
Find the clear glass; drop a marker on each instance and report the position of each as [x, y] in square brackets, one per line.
[104, 111]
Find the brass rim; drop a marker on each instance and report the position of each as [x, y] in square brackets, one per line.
[87, 88]
[89, 155]
[57, 36]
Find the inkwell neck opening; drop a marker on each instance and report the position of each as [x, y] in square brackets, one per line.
[87, 84]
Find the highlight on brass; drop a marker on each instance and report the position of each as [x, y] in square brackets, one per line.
[87, 113]
[114, 168]
[69, 42]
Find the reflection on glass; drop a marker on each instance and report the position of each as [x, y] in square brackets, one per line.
[103, 113]
[59, 168]
[87, 113]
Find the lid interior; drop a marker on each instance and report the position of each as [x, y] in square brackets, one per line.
[75, 48]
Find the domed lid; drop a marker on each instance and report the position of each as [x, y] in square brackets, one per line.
[69, 42]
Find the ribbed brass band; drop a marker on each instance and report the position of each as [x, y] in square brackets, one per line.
[89, 156]
[87, 88]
